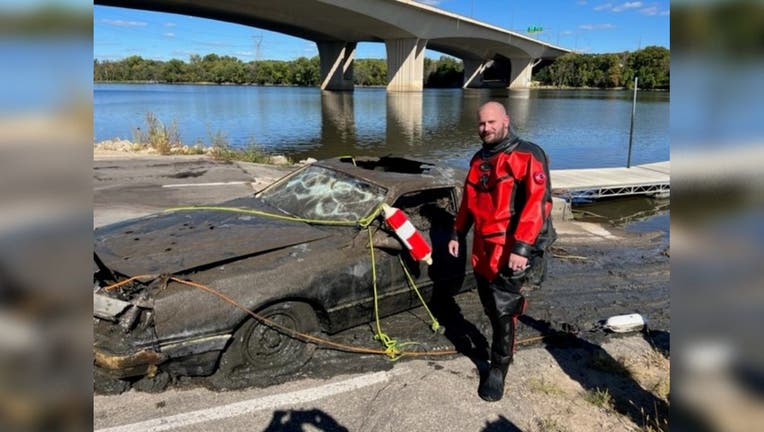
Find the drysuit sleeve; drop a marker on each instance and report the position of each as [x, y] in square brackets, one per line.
[538, 203]
[463, 221]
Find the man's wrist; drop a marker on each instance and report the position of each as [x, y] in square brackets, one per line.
[522, 249]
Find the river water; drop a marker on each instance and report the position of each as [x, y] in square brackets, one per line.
[577, 128]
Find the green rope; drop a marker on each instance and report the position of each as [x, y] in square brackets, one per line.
[362, 222]
[435, 326]
[392, 349]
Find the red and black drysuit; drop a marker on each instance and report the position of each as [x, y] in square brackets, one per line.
[507, 197]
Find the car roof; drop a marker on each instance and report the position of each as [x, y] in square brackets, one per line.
[399, 175]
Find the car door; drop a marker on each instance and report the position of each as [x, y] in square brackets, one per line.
[432, 212]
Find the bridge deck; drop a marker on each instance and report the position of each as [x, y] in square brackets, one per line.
[592, 183]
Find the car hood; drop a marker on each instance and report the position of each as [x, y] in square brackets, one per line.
[177, 241]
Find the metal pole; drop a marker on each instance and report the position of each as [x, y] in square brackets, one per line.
[631, 129]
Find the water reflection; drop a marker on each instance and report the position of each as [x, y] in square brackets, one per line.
[338, 118]
[636, 213]
[403, 129]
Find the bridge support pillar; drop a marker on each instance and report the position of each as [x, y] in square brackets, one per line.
[336, 65]
[473, 73]
[520, 74]
[405, 64]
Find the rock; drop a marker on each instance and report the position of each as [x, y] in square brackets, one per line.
[307, 161]
[279, 160]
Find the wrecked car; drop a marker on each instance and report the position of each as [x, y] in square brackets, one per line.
[300, 273]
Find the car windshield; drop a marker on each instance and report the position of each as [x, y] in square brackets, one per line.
[323, 194]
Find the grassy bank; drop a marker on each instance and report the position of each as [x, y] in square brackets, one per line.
[160, 138]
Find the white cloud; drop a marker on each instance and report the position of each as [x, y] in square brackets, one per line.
[627, 5]
[213, 43]
[169, 24]
[606, 6]
[123, 23]
[666, 13]
[170, 35]
[596, 26]
[649, 11]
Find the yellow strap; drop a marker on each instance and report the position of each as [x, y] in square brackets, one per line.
[435, 326]
[363, 222]
[392, 349]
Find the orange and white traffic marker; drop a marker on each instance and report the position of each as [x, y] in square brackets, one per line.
[411, 237]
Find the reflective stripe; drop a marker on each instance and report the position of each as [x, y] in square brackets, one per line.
[406, 230]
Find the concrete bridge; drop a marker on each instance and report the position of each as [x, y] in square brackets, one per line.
[492, 56]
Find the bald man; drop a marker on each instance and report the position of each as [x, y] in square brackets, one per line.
[507, 197]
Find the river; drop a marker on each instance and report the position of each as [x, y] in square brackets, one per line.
[577, 128]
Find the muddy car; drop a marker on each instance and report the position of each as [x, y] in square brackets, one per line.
[277, 257]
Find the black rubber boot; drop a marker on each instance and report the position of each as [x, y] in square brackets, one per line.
[492, 388]
[502, 347]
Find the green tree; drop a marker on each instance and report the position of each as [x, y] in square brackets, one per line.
[563, 70]
[175, 71]
[305, 72]
[651, 66]
[195, 68]
[444, 72]
[370, 72]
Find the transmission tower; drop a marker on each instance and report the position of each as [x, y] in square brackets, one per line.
[258, 40]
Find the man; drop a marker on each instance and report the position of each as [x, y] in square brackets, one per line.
[508, 199]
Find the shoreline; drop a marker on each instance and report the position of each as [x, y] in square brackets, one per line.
[532, 87]
[125, 148]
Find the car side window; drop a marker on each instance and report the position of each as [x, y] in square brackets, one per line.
[429, 209]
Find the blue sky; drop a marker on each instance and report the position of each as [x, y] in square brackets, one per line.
[588, 26]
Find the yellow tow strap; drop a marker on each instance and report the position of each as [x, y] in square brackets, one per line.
[362, 222]
[435, 326]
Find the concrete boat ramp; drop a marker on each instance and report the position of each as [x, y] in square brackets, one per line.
[653, 179]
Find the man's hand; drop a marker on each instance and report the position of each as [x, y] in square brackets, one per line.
[453, 248]
[516, 262]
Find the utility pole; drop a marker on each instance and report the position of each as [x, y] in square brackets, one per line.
[631, 128]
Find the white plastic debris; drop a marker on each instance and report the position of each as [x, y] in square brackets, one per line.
[625, 323]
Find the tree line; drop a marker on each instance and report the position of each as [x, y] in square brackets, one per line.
[212, 68]
[650, 64]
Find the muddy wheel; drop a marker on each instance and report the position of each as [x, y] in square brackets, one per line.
[259, 354]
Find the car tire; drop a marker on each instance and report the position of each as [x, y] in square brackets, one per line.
[259, 354]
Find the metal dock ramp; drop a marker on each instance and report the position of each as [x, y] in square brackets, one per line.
[652, 179]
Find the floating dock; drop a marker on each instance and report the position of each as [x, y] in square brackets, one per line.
[653, 179]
